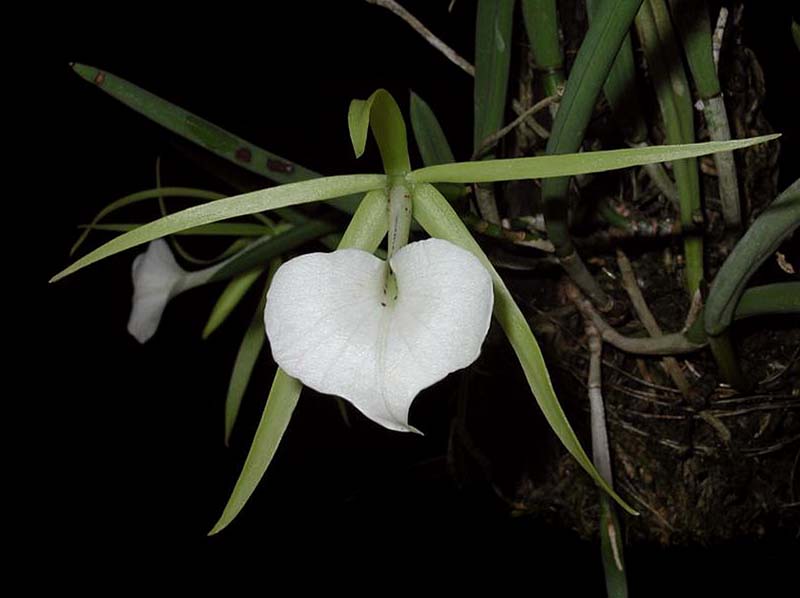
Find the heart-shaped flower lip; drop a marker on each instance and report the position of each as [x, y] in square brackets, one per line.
[332, 326]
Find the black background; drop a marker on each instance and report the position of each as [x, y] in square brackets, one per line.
[129, 470]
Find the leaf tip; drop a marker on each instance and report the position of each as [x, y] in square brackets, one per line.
[87, 72]
[358, 129]
[218, 527]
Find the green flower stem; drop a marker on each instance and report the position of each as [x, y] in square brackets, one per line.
[672, 90]
[590, 71]
[541, 25]
[693, 26]
[399, 218]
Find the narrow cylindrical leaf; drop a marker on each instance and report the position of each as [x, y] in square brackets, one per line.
[230, 297]
[541, 25]
[249, 350]
[492, 58]
[162, 192]
[763, 237]
[428, 133]
[196, 129]
[282, 400]
[543, 167]
[619, 87]
[433, 145]
[205, 134]
[591, 68]
[674, 99]
[694, 28]
[257, 254]
[219, 229]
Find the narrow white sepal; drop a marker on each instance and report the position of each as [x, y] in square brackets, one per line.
[331, 326]
[157, 278]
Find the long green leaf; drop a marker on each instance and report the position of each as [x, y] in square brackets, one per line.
[218, 229]
[184, 192]
[541, 25]
[779, 298]
[205, 134]
[763, 237]
[366, 230]
[663, 56]
[694, 28]
[282, 400]
[611, 551]
[590, 70]
[231, 207]
[428, 133]
[258, 253]
[433, 145]
[382, 115]
[437, 217]
[619, 87]
[492, 59]
[571, 164]
[230, 297]
[249, 350]
[196, 129]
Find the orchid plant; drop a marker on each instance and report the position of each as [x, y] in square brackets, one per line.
[374, 332]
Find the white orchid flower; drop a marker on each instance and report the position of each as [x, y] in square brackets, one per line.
[157, 278]
[334, 324]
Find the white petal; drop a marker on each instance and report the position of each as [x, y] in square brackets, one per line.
[328, 325]
[155, 275]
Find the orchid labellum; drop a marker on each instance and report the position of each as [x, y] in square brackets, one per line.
[335, 323]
